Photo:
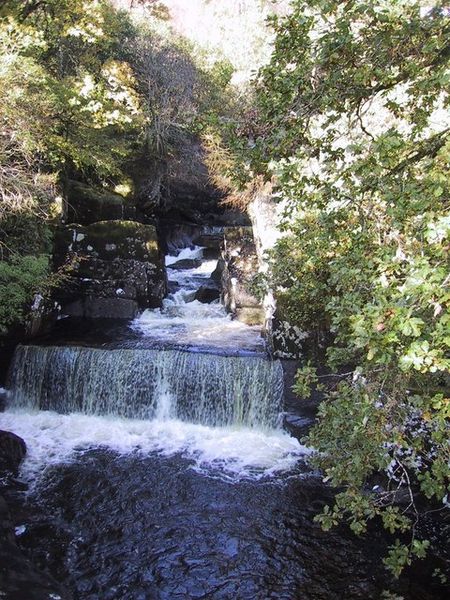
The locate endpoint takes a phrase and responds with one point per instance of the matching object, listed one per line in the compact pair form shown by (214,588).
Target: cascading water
(184,321)
(144,384)
(159,473)
(194,381)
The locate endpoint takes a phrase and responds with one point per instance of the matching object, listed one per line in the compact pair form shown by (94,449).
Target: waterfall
(148,384)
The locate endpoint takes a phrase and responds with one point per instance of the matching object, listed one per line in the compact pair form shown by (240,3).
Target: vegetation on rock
(85,91)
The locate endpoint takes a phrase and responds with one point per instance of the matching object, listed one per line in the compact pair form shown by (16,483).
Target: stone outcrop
(12,452)
(19,578)
(117,269)
(287,341)
(240,268)
(86,205)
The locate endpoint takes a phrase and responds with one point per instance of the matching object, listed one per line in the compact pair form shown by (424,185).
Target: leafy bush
(355,104)
(20,278)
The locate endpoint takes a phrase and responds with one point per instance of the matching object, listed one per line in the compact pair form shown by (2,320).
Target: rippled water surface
(151,527)
(162,475)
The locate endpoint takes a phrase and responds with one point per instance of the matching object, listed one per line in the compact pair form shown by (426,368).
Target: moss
(109,240)
(88,205)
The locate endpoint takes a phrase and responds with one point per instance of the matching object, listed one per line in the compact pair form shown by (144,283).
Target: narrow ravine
(157,467)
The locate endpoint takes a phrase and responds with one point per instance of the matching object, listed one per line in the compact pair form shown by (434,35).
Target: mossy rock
(250,315)
(108,240)
(239,235)
(87,205)
(118,268)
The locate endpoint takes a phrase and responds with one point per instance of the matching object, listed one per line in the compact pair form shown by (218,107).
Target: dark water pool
(115,527)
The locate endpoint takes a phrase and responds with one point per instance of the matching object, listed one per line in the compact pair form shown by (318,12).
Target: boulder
(240,268)
(216,275)
(12,452)
(211,253)
(173,286)
(250,315)
(108,240)
(209,240)
(207,294)
(19,577)
(86,205)
(186,263)
(115,269)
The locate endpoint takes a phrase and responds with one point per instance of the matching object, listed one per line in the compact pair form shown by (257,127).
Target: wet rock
(19,577)
(3,398)
(209,240)
(173,286)
(87,205)
(211,253)
(186,263)
(108,240)
(176,236)
(117,269)
(216,275)
(240,268)
(100,308)
(207,294)
(12,452)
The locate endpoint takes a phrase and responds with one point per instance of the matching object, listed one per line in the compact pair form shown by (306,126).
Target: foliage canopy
(84,92)
(354,131)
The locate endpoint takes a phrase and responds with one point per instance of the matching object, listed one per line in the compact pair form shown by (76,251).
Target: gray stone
(211,253)
(86,205)
(101,308)
(216,275)
(209,240)
(207,294)
(240,268)
(115,268)
(186,263)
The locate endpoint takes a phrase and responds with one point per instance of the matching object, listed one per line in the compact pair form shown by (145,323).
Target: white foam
(235,453)
(184,321)
(204,325)
(185,253)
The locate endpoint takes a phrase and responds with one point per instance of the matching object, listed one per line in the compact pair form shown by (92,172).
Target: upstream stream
(158,468)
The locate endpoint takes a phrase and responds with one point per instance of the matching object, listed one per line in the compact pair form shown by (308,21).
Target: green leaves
(20,277)
(68,103)
(357,141)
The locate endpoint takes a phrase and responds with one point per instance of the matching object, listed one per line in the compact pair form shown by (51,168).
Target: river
(158,467)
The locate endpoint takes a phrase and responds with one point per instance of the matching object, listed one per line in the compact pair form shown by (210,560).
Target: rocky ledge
(114,269)
(19,578)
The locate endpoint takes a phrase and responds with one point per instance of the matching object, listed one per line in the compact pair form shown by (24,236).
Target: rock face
(186,263)
(287,341)
(240,267)
(12,452)
(19,578)
(117,269)
(86,205)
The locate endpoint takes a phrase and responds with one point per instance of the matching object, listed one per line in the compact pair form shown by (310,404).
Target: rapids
(157,468)
(184,320)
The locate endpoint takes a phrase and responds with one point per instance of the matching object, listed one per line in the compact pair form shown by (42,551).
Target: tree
(356,137)
(68,105)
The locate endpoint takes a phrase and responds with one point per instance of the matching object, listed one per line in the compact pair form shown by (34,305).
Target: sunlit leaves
(356,98)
